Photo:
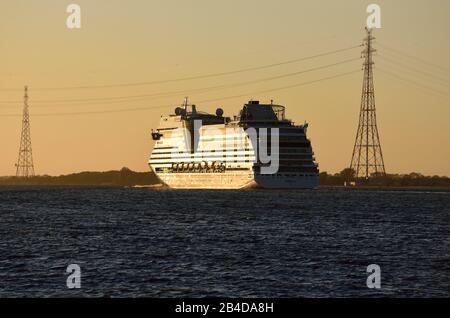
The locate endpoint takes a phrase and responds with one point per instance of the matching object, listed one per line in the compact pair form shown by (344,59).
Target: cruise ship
(258,148)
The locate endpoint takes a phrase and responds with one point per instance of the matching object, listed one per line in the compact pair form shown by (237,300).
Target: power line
(201,101)
(193,77)
(140,97)
(413,82)
(403,54)
(399,64)
(284,87)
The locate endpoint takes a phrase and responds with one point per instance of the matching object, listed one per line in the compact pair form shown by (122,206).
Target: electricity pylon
(367,158)
(24,166)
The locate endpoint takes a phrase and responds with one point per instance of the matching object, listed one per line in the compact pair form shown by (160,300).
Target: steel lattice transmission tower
(367,158)
(25,167)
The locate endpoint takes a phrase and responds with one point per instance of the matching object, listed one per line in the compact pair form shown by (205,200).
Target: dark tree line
(124,177)
(413,179)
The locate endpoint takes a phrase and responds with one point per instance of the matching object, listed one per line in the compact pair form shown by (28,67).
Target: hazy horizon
(107,128)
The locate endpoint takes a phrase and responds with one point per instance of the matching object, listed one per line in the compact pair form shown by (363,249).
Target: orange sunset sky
(143,41)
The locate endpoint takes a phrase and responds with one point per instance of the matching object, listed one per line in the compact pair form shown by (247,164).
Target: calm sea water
(165,243)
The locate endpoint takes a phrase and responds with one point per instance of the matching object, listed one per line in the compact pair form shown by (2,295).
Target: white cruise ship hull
(207,180)
(236,181)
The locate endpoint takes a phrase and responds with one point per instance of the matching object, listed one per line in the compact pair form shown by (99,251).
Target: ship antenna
(185,102)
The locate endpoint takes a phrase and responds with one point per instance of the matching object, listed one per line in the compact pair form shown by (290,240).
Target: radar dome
(219,112)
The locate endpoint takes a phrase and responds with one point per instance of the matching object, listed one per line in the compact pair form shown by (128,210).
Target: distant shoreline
(128,178)
(388,188)
(122,178)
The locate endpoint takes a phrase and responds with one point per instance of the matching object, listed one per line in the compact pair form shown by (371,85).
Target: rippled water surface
(164,243)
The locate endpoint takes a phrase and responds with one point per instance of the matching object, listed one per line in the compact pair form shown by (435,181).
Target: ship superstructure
(258,148)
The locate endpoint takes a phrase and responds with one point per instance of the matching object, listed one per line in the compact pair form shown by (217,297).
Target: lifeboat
(203,166)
